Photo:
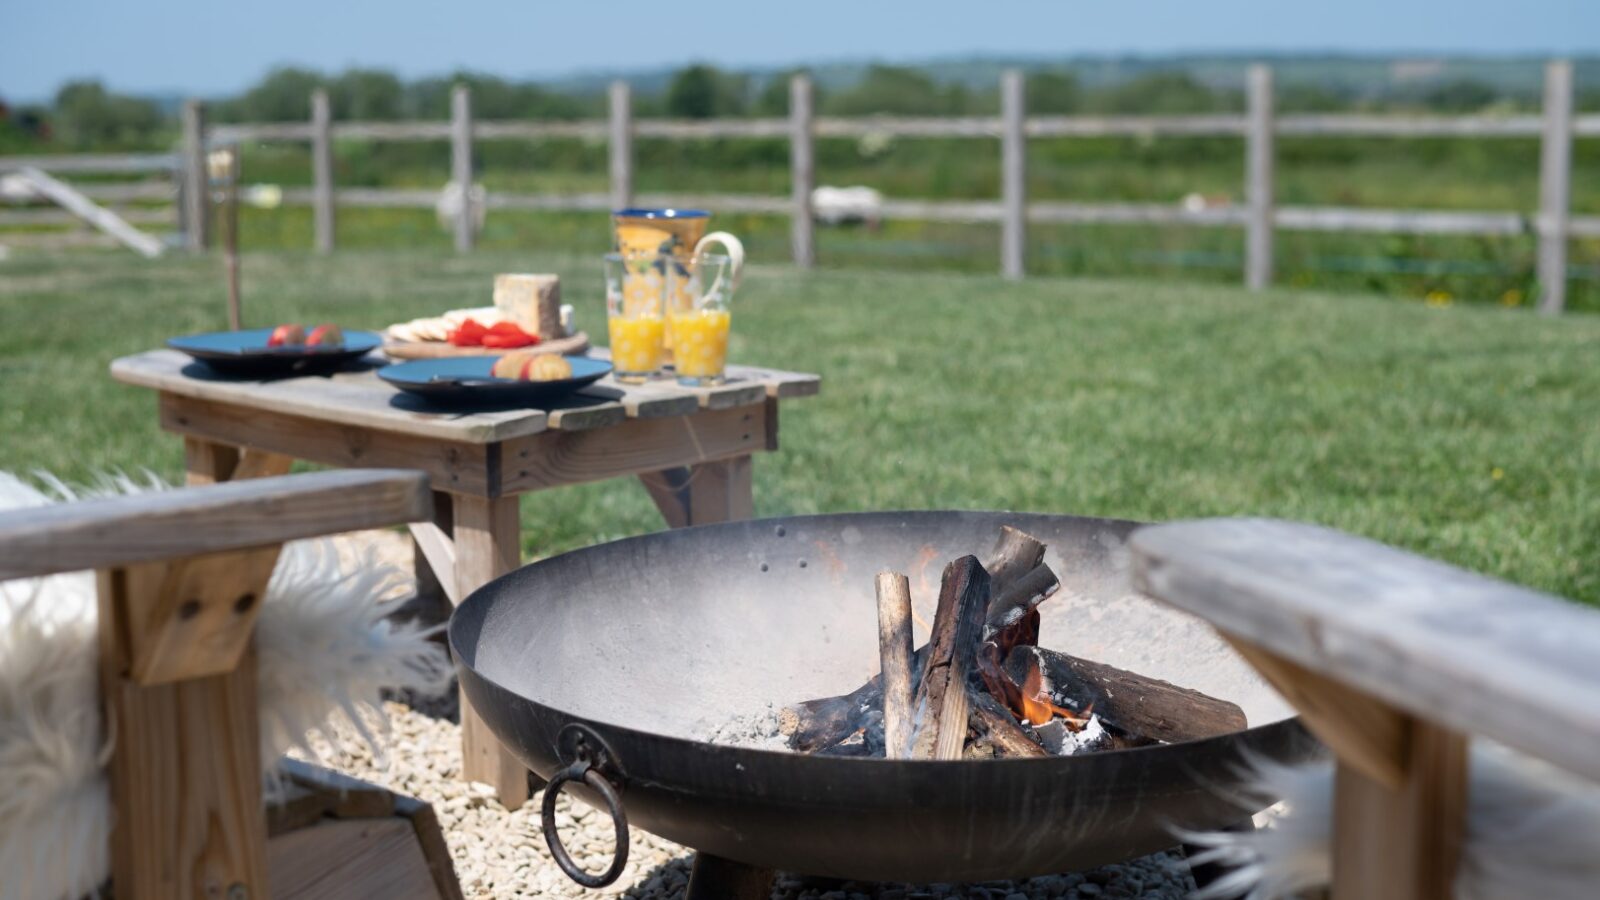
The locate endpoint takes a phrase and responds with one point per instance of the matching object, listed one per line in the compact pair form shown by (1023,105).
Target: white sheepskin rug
(1532,831)
(325,652)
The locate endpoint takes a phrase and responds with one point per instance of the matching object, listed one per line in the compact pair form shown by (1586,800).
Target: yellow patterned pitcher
(681,235)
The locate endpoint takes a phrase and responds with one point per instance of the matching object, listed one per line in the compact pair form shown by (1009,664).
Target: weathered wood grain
(196,192)
(168,525)
(1429,639)
(89,211)
(458,467)
(895,655)
(1555,187)
(194,616)
(1260,159)
(1013,174)
(556,458)
(1402,843)
(461,165)
(620,144)
(345,858)
(704,493)
(802,170)
(487,545)
(185,776)
(323,209)
(941,698)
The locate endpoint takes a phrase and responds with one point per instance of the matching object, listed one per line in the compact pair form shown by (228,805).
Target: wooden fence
(1259,216)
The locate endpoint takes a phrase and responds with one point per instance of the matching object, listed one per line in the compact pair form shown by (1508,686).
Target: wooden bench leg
(488,544)
(705,493)
(1400,787)
(185,773)
(208,462)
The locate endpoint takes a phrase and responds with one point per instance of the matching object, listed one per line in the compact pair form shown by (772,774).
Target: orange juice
(636,344)
(700,339)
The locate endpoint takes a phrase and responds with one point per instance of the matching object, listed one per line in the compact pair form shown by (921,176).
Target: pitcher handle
(735,249)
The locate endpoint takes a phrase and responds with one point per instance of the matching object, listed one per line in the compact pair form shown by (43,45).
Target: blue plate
(468,379)
(246,352)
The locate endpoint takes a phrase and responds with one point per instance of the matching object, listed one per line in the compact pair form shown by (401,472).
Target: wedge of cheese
(531,301)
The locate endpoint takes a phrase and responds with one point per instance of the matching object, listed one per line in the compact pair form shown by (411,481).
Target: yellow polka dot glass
(699,321)
(636,292)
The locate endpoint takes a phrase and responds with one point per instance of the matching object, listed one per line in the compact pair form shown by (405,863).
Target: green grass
(1466,433)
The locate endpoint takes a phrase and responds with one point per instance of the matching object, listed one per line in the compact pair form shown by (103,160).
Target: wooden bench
(180,577)
(1393,661)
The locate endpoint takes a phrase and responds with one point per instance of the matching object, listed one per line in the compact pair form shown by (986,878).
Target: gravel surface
(501,854)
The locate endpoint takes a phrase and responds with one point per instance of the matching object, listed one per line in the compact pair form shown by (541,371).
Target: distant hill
(1360,76)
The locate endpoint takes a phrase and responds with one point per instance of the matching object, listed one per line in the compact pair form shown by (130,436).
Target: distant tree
(492,98)
(896,90)
(88,115)
(367,94)
(284,95)
(1461,95)
(1053,93)
(1161,93)
(693,93)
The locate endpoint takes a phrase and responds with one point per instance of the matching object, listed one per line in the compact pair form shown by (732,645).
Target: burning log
(941,699)
(1016,554)
(895,655)
(1013,616)
(1138,706)
(996,727)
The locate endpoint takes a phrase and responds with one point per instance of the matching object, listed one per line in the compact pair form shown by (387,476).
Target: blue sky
(209,47)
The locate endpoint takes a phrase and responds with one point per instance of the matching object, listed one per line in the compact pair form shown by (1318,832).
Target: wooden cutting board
(572,343)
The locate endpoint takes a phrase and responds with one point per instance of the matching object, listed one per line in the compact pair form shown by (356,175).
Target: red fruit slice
(287,336)
(326,336)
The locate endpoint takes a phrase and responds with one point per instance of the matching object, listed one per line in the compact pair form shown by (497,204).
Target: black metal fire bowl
(648,641)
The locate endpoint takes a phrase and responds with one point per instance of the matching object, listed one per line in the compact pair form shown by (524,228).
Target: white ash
(500,854)
(756,730)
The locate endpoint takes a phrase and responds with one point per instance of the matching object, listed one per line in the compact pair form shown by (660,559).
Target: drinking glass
(700,319)
(637,286)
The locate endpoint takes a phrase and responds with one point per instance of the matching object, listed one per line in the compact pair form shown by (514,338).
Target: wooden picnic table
(691,448)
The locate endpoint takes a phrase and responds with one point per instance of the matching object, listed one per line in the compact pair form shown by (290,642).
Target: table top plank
(359,397)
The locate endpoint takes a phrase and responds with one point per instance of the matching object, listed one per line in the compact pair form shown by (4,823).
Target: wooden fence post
(1555,181)
(461,163)
(621,145)
(1013,174)
(1258,178)
(802,170)
(196,176)
(322,170)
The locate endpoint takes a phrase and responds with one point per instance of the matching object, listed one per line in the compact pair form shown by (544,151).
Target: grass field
(1467,433)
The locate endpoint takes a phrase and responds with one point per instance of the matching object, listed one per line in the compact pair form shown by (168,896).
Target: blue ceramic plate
(246,352)
(467,379)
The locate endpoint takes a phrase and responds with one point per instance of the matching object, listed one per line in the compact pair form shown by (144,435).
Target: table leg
(432,600)
(208,462)
(703,493)
(487,545)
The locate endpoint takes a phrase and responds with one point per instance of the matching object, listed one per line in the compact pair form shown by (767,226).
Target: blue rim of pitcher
(639,213)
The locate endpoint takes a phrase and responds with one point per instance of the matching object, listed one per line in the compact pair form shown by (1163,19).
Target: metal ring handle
(582,771)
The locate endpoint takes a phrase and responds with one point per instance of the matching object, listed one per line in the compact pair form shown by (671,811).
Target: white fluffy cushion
(324,650)
(1532,831)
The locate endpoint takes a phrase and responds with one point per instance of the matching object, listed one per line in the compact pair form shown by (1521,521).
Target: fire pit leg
(715,878)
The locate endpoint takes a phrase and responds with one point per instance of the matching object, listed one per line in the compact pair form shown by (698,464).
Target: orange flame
(1038,707)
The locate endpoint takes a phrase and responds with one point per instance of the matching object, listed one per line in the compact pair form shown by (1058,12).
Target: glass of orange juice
(700,320)
(637,286)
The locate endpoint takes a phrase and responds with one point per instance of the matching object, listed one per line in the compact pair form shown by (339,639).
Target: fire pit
(606,667)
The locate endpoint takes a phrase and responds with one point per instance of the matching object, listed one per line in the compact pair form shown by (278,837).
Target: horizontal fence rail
(1258,215)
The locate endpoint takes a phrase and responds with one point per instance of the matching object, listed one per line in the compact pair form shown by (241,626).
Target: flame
(1037,707)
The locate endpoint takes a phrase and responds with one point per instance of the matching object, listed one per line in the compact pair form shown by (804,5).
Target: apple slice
(326,336)
(286,336)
